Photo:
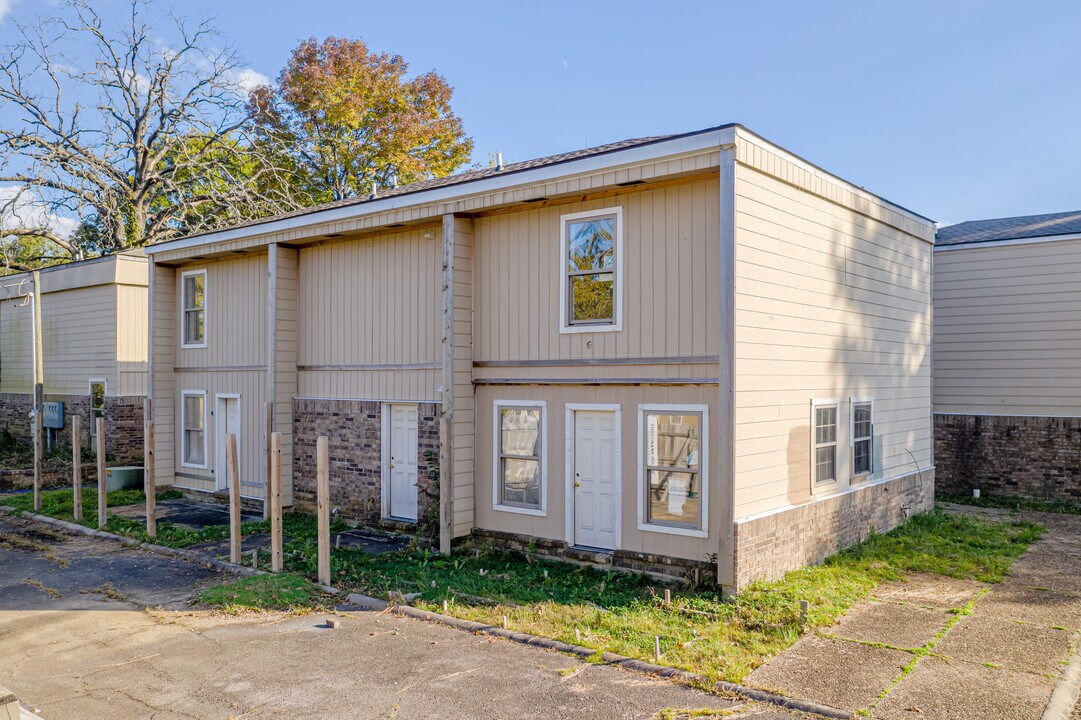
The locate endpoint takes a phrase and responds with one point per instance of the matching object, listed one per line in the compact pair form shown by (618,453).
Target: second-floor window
(591,275)
(193,299)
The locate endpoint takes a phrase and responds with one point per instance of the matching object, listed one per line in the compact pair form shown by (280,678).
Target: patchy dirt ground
(91,630)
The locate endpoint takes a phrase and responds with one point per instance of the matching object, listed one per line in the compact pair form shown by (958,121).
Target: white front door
(226,420)
(402,462)
(596,479)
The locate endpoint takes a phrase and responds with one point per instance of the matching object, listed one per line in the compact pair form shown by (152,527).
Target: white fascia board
(685,145)
(1004,243)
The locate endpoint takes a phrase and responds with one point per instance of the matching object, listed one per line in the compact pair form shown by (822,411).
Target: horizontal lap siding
(78,329)
(371,302)
(670,301)
(163,342)
(1008,329)
(16,361)
(830,303)
(131,339)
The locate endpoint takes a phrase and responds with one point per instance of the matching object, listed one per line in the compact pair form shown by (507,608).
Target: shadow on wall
(875,335)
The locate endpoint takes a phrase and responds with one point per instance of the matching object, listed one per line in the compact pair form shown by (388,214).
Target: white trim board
(1007,242)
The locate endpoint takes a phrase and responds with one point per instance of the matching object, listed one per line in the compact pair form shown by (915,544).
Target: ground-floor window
(193,410)
(824,441)
(519,464)
(862,437)
(672,492)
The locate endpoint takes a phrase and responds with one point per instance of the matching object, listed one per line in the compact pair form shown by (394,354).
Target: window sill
(538,512)
(201,346)
(668,530)
(862,477)
(194,467)
(576,329)
(825,488)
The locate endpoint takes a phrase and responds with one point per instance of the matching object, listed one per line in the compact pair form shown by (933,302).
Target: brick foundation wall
(1036,457)
(123,421)
(354,428)
(768,547)
(691,571)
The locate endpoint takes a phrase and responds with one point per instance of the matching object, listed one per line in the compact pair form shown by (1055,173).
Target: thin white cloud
(28,213)
(247,79)
(5,8)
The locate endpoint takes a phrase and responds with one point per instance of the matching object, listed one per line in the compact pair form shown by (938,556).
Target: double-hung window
(193,410)
(193,308)
(862,437)
(824,442)
(519,463)
(672,483)
(591,271)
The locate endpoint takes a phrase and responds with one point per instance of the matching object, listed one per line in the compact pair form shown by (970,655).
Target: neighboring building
(685,354)
(94,347)
(1008,356)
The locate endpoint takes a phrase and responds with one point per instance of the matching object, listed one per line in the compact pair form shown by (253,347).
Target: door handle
(577,484)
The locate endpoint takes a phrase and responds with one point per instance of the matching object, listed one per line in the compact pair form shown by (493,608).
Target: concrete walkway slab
(940,690)
(1024,648)
(1032,606)
(889,623)
(838,673)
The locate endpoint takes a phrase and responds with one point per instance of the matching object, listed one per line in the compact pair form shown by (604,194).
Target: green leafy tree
(349,117)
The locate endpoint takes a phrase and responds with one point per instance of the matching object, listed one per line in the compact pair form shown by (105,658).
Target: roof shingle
(1011,228)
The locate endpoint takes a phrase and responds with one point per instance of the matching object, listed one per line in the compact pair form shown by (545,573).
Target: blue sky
(957,109)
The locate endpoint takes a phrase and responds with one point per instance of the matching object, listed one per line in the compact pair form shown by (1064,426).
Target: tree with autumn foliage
(349,118)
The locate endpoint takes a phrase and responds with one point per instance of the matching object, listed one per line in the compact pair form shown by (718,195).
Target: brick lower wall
(354,429)
(767,547)
(123,422)
(1036,457)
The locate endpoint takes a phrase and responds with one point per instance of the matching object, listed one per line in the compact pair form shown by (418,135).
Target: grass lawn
(1012,503)
(265,592)
(60,504)
(621,613)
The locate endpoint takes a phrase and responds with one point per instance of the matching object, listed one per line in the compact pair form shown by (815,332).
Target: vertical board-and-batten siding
(830,303)
(1008,329)
(370,312)
(233,362)
(670,304)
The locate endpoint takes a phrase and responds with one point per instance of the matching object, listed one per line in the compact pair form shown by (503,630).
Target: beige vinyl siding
(370,317)
(1008,329)
(282,356)
(251,386)
(554,453)
(78,334)
(459,375)
(16,361)
(829,304)
(235,314)
(670,303)
(163,345)
(132,342)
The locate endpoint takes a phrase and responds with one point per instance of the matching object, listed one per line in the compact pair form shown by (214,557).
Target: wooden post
(322,506)
(149,481)
(77,467)
(39,387)
(103,517)
(268,409)
(234,498)
(276,502)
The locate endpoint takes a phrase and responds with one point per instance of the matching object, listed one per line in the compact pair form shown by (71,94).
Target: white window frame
(828,485)
(184,394)
(703,469)
(497,447)
(852,403)
(183,311)
(616,325)
(90,383)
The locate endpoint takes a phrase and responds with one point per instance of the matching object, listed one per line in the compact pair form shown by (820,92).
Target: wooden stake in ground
(149,481)
(39,387)
(322,506)
(77,467)
(276,502)
(103,516)
(234,498)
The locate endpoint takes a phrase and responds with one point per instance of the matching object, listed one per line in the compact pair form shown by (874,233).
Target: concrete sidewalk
(915,651)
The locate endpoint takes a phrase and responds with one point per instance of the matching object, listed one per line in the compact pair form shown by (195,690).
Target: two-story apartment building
(1008,356)
(687,354)
(94,347)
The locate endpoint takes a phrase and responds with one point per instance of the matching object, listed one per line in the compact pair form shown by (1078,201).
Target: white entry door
(402,462)
(596,479)
(226,420)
